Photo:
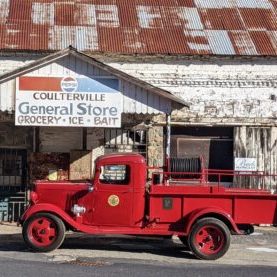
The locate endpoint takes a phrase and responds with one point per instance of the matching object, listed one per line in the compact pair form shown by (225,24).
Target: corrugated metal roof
(219,27)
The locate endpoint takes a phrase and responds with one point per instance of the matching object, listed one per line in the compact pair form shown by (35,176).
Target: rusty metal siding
(214,19)
(243,43)
(225,27)
(262,42)
(259,143)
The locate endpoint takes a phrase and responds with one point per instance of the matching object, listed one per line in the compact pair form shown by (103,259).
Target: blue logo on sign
(69,84)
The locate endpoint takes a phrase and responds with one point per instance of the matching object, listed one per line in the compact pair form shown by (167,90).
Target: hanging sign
(68,101)
(245,164)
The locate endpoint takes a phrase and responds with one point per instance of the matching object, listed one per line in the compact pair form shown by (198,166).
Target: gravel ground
(258,249)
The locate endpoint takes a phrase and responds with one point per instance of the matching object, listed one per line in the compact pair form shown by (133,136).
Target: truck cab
(117,195)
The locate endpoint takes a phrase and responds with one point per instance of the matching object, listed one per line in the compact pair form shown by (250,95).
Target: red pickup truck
(119,200)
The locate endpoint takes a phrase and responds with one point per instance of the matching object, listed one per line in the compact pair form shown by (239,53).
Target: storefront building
(66,110)
(219,58)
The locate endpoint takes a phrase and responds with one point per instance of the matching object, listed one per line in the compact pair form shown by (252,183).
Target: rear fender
(211,212)
(49,208)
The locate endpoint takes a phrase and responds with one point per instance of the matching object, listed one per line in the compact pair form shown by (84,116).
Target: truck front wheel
(43,232)
(209,238)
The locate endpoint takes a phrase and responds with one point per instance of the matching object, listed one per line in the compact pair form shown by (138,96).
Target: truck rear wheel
(43,232)
(209,238)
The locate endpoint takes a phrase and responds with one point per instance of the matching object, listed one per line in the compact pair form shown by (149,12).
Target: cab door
(113,195)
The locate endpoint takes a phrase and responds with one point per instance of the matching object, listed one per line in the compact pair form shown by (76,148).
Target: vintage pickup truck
(119,200)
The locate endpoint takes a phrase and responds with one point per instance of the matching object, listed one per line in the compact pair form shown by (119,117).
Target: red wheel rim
(209,239)
(42,231)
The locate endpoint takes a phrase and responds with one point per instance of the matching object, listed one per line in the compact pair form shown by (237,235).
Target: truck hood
(63,194)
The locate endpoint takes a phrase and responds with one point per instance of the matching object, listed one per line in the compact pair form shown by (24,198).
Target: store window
(126,140)
(12,168)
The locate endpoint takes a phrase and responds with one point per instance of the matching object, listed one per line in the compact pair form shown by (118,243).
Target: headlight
(77,210)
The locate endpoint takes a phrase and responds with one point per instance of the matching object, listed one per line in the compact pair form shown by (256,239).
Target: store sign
(68,101)
(245,164)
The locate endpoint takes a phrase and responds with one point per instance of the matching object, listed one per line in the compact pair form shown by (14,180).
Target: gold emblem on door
(113,200)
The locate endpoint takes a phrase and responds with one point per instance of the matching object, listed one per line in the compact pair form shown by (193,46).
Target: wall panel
(259,143)
(55,139)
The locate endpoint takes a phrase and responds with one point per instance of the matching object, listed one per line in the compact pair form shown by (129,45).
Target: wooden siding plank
(7,94)
(130,93)
(144,101)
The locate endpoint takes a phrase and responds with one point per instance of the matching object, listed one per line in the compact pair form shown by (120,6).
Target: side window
(115,174)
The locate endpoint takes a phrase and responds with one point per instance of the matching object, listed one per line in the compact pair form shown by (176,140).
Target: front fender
(49,208)
(210,212)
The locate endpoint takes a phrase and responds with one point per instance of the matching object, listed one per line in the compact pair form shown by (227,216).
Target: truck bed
(245,206)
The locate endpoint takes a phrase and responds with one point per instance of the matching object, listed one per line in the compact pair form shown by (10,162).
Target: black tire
(209,238)
(184,240)
(38,232)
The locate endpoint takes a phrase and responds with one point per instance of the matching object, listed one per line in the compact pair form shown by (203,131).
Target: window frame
(123,182)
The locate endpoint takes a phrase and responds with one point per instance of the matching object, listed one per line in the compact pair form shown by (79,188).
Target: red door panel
(113,196)
(113,207)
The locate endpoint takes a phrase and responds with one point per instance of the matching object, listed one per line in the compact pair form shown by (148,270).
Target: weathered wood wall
(55,139)
(15,137)
(259,143)
(220,90)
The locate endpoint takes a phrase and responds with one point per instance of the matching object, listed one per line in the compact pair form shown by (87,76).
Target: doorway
(213,144)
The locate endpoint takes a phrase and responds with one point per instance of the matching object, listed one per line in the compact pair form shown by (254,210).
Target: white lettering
(250,4)
(149,16)
(43,13)
(86,14)
(83,38)
(107,16)
(191,18)
(197,46)
(214,40)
